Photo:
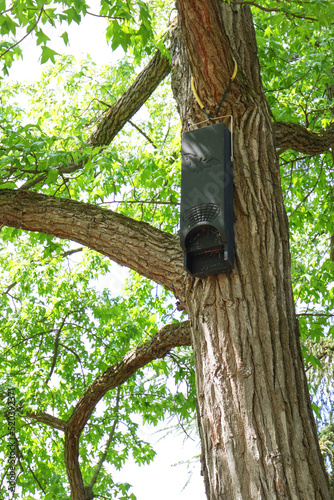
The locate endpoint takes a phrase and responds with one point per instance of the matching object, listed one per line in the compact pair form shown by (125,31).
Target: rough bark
(258,434)
(47,419)
(294,136)
(138,245)
(131,101)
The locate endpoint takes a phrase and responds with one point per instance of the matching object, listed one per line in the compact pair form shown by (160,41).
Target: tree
(255,417)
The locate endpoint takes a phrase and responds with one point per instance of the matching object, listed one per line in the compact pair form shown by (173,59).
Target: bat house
(206,220)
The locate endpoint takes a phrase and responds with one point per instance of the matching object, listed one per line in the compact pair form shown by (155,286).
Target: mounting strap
(201,105)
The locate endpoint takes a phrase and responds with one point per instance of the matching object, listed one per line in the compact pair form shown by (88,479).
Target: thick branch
(145,249)
(170,336)
(131,101)
(119,113)
(294,136)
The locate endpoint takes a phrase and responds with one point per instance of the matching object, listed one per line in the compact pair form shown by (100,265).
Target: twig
(7,10)
(110,439)
(143,133)
(268,9)
(325,315)
(19,456)
(309,193)
(289,86)
(106,17)
(79,360)
(141,202)
(71,252)
(55,350)
(25,339)
(320,110)
(130,121)
(8,289)
(25,36)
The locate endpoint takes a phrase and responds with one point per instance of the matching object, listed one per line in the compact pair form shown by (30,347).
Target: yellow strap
(201,105)
(235,69)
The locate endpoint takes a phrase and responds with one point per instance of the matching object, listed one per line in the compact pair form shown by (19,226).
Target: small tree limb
(119,113)
(47,419)
(108,443)
(55,349)
(170,336)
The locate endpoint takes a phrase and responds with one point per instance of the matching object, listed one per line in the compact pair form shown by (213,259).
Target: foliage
(129,25)
(53,313)
(59,328)
(51,308)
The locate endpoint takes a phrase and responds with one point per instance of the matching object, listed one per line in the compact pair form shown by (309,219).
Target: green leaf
(8,185)
(41,37)
(47,54)
(65,37)
(316,410)
(72,15)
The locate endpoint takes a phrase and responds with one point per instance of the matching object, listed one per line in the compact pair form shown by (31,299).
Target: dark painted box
(206,222)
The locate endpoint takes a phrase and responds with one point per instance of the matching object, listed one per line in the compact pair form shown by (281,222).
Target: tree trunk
(259,439)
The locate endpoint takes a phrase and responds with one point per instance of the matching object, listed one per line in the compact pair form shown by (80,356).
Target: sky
(166,477)
(80,45)
(162,479)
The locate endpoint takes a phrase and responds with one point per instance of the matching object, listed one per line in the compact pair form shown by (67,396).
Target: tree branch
(281,11)
(131,101)
(294,136)
(55,349)
(142,133)
(46,418)
(108,443)
(322,315)
(170,336)
(71,252)
(138,245)
(119,113)
(176,334)
(25,36)
(78,359)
